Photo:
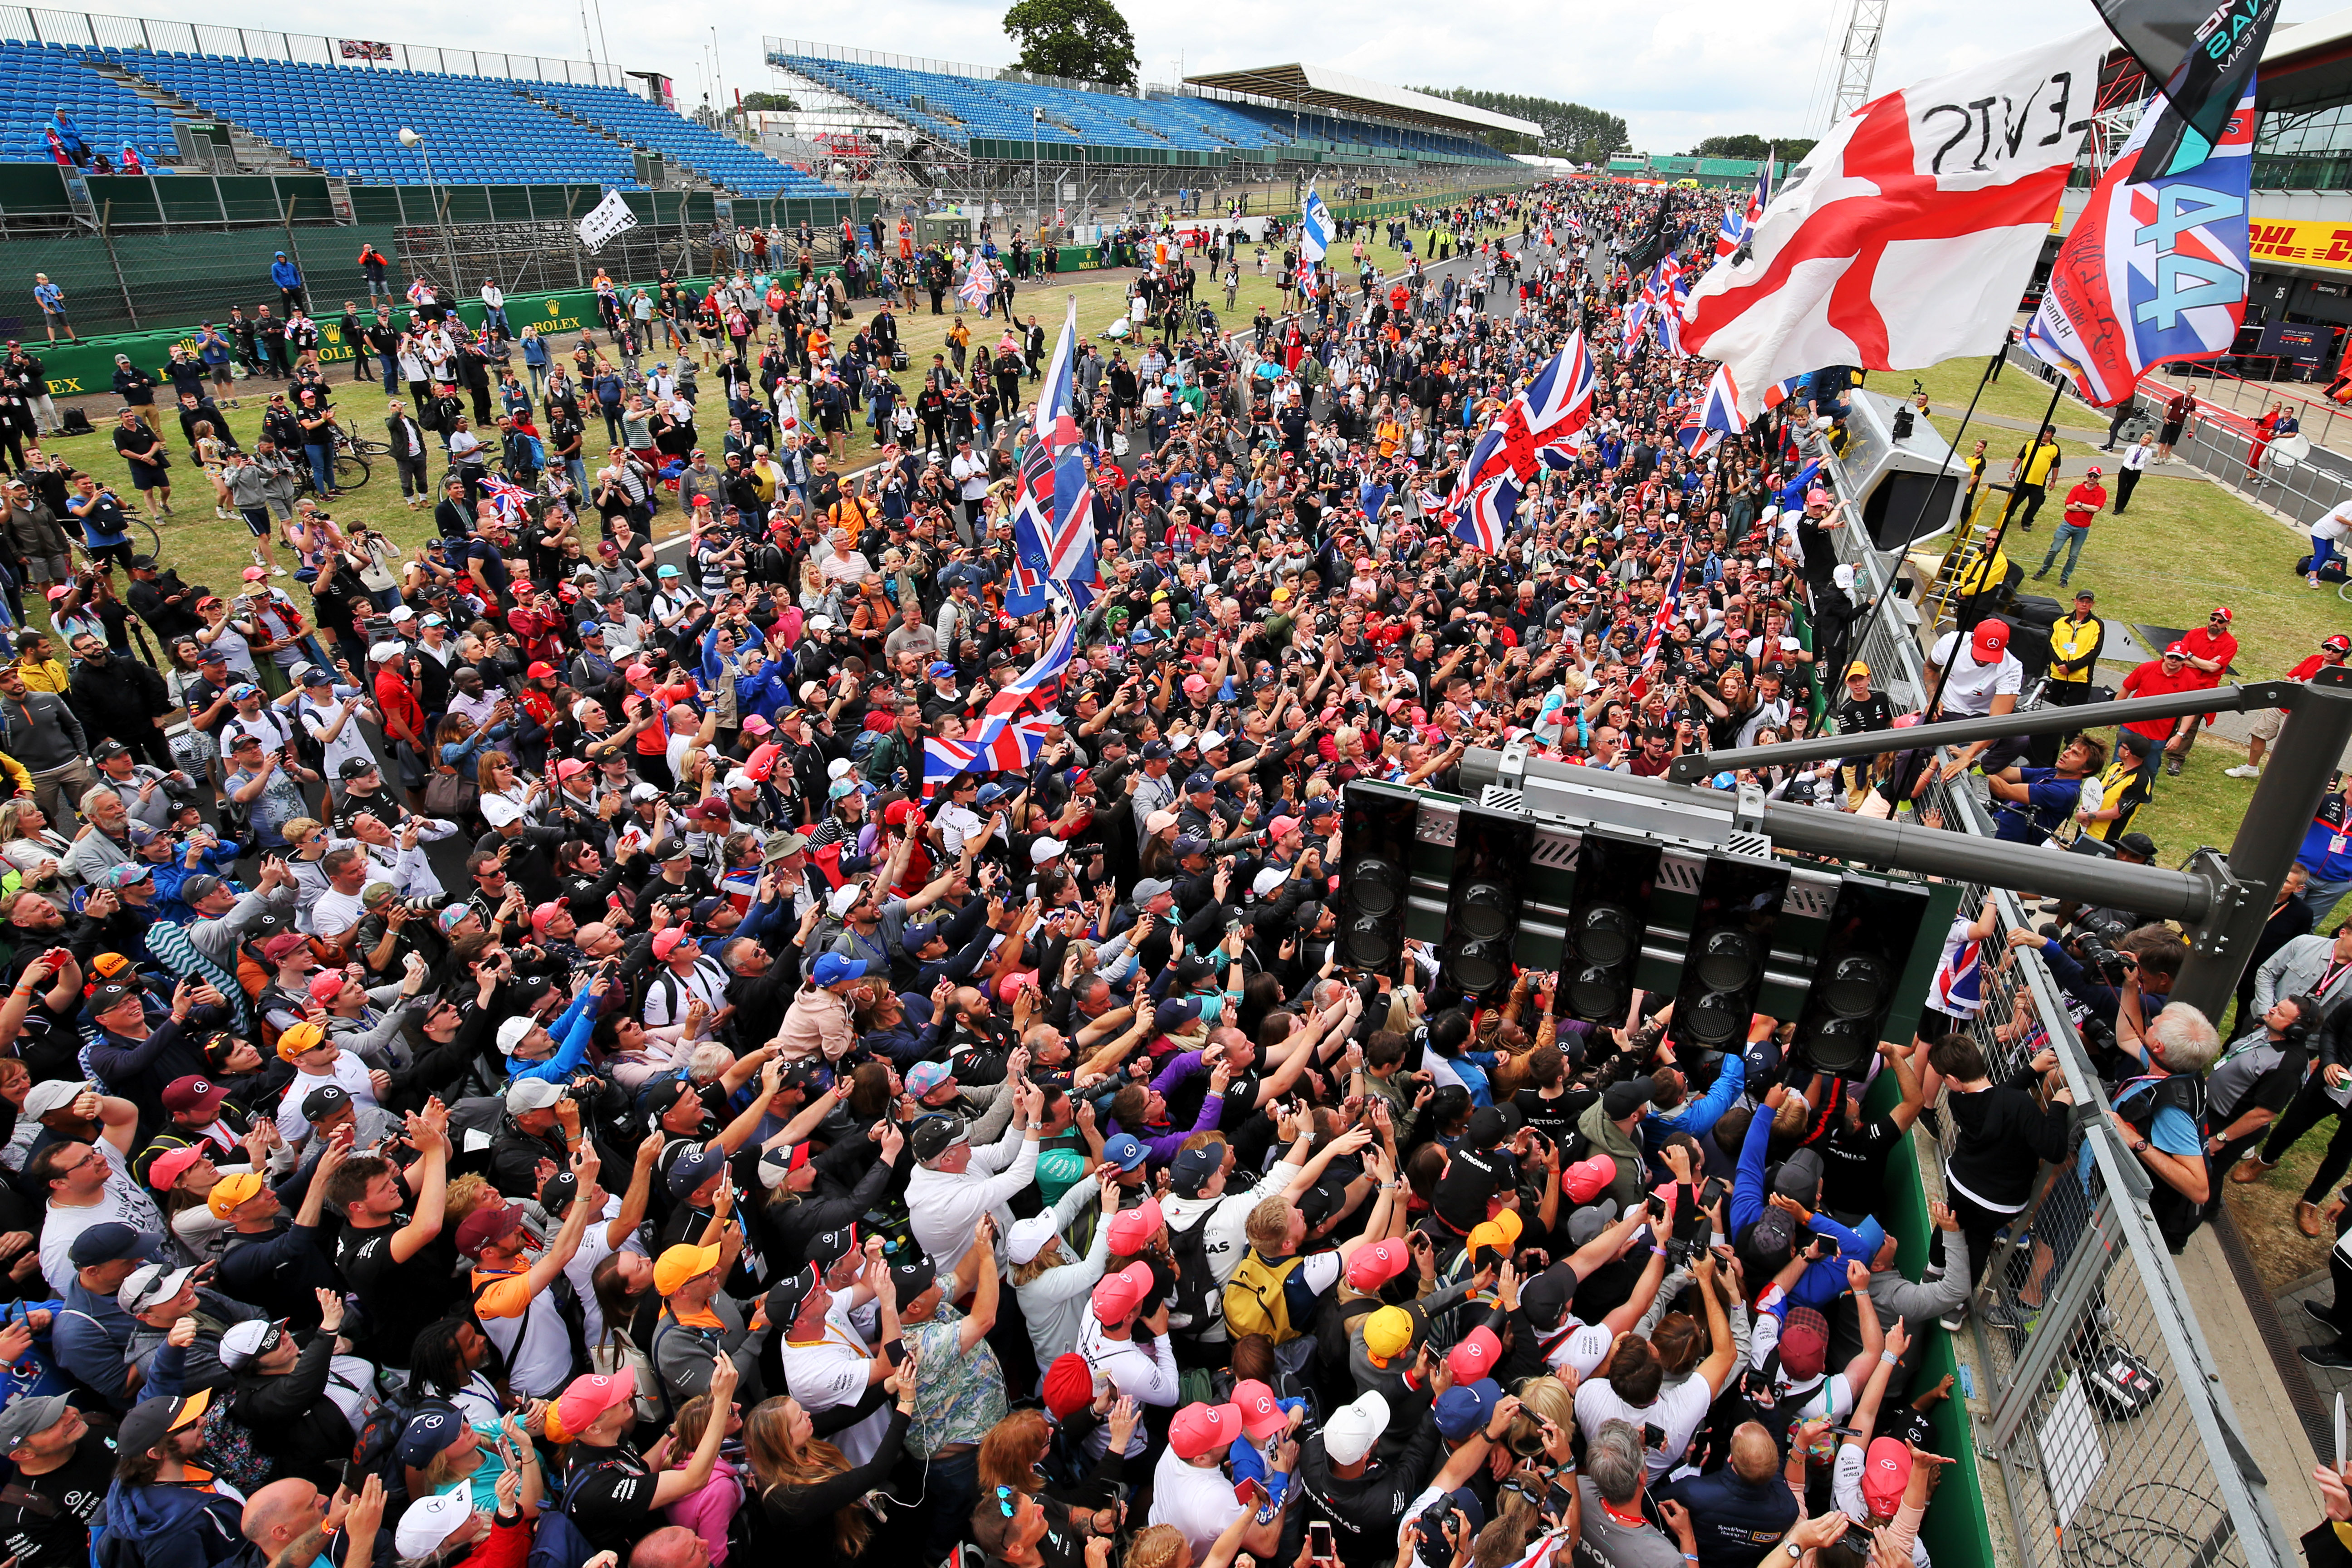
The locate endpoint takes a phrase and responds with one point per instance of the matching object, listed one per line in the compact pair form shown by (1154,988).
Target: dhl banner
(2310,242)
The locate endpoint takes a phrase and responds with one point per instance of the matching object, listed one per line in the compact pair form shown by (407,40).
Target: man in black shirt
(402,1270)
(614,1495)
(62,1472)
(1855,1146)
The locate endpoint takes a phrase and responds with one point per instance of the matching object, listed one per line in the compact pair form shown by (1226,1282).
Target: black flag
(2201,56)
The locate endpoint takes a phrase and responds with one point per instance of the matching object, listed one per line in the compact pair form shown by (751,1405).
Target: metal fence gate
(2081,1279)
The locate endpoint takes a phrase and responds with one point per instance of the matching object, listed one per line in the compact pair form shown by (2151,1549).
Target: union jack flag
(1668,609)
(511,501)
(1779,392)
(1637,314)
(1672,294)
(1054,501)
(978,284)
(998,745)
(1482,519)
(1715,415)
(1728,235)
(1039,687)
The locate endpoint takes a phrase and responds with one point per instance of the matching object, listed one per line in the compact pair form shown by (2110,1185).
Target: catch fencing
(2104,1415)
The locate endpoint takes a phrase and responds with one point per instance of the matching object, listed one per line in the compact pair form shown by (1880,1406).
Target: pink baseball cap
(1374,1266)
(1587,1179)
(589,1397)
(1885,1472)
(326,986)
(1198,1429)
(1280,826)
(1261,1414)
(1476,1356)
(1132,1230)
(1117,1295)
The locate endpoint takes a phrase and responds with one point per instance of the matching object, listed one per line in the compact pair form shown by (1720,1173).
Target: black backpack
(1197,1302)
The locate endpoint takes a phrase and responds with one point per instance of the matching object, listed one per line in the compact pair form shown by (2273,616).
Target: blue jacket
(175,1526)
(1735,1522)
(284,274)
(571,1033)
(1698,1116)
(1823,1281)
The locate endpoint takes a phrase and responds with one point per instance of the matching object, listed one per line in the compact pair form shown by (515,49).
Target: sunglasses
(1006,1498)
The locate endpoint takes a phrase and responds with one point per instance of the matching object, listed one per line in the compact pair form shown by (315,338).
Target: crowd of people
(541,1064)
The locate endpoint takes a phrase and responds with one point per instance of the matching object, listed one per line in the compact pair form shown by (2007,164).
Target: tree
(1784,150)
(1084,39)
(1570,129)
(755,102)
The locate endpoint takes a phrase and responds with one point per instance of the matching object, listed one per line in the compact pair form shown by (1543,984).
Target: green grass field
(209,549)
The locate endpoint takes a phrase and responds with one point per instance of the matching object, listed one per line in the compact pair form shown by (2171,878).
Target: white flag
(1907,236)
(1314,227)
(612,215)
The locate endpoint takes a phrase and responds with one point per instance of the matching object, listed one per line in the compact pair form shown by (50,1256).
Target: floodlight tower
(1858,60)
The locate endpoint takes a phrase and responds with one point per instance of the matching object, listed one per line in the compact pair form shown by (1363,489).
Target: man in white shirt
(2134,463)
(1983,680)
(827,1361)
(1190,1488)
(1107,1343)
(88,1184)
(969,471)
(1628,1387)
(953,1183)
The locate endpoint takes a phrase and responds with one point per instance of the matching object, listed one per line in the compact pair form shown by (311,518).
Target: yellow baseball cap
(302,1037)
(231,1190)
(679,1264)
(1387,1332)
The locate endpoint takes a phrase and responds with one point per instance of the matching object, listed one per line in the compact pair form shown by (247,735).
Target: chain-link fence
(2104,1417)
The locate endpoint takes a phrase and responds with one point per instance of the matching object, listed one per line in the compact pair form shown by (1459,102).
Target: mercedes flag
(2200,55)
(611,216)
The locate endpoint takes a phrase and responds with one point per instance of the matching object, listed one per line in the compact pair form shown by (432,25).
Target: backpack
(558,1542)
(310,751)
(1257,1301)
(376,1451)
(1192,1305)
(229,1451)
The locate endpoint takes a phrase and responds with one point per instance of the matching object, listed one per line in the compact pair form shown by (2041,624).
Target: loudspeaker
(1893,511)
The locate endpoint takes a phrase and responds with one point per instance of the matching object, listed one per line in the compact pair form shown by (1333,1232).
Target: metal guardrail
(2082,1277)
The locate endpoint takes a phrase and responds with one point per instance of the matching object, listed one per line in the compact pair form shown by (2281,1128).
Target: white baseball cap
(1351,1433)
(1029,1237)
(431,1521)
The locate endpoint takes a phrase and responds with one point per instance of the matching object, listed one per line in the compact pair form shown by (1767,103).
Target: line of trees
(1570,129)
(1781,149)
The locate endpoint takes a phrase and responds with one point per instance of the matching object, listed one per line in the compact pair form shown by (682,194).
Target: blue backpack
(557,1543)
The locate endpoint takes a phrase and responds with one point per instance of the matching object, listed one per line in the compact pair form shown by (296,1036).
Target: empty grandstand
(974,133)
(337,106)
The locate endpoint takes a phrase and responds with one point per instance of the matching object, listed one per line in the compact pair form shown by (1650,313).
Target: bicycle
(350,466)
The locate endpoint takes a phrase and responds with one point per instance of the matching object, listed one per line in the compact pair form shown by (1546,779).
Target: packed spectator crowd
(537,1067)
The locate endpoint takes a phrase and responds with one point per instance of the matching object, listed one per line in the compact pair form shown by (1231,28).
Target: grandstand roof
(1327,89)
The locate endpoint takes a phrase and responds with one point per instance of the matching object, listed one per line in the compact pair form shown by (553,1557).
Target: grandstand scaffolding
(929,137)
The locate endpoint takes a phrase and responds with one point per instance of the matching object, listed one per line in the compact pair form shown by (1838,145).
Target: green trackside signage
(74,370)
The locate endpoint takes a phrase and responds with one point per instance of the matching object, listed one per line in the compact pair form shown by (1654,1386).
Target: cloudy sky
(1678,73)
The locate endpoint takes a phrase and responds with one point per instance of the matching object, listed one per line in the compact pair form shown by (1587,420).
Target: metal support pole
(1585,793)
(2305,755)
(2000,727)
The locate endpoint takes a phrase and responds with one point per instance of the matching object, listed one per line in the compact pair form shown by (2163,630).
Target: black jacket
(293,1420)
(120,698)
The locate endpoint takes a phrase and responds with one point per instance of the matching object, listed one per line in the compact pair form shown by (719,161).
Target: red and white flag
(1907,236)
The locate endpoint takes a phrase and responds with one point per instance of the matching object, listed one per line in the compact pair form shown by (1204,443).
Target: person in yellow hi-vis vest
(2029,474)
(2075,640)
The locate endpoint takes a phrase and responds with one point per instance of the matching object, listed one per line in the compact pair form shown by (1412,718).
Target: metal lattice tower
(1858,60)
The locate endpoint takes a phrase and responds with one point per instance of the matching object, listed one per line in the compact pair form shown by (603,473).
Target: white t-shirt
(1198,1501)
(350,1076)
(1149,1377)
(123,1201)
(2335,525)
(835,1370)
(1970,689)
(1676,1411)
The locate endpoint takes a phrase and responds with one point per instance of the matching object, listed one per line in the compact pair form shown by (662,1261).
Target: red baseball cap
(546,912)
(1990,638)
(2223,611)
(1198,1429)
(2177,650)
(540,666)
(1132,1230)
(192,1093)
(1885,1472)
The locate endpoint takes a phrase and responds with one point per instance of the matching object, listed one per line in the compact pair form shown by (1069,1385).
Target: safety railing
(2103,1417)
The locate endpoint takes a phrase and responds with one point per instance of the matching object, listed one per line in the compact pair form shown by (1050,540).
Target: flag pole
(2057,390)
(1878,600)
